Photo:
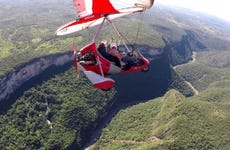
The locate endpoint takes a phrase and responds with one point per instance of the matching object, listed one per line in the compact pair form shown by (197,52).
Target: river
(196,92)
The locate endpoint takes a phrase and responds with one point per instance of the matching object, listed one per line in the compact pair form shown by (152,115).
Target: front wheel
(146,69)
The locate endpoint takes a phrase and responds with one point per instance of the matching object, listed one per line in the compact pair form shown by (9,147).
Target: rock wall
(180,52)
(14,80)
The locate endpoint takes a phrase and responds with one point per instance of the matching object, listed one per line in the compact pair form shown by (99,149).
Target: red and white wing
(82,24)
(91,12)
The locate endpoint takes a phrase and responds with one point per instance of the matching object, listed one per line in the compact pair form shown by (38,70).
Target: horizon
(218,9)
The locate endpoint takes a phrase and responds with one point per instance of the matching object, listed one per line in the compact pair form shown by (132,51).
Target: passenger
(113,51)
(114,55)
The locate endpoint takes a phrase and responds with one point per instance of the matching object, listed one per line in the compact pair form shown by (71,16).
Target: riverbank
(191,61)
(194,54)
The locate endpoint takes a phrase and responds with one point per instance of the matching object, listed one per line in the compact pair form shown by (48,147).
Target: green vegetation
(206,70)
(179,84)
(216,59)
(73,110)
(169,122)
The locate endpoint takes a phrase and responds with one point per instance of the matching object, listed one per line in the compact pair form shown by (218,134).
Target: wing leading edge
(91,13)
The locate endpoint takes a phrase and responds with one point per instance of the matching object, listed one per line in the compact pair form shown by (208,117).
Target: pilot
(102,48)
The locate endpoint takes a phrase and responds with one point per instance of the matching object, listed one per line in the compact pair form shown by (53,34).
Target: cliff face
(181,51)
(14,80)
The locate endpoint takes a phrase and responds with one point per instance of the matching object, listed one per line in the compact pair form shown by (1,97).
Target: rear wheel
(146,69)
(106,89)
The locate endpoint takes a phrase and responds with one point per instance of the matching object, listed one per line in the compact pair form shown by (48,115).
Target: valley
(44,106)
(120,132)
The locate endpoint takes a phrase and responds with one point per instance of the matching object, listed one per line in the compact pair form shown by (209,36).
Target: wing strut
(98,30)
(122,38)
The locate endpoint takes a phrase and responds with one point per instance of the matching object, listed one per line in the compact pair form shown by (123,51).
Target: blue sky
(219,8)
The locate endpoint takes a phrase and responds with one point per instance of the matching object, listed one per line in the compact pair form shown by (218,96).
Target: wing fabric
(102,7)
(83,8)
(86,8)
(84,24)
(91,12)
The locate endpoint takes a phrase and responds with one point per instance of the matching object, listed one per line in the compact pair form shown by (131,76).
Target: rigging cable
(139,27)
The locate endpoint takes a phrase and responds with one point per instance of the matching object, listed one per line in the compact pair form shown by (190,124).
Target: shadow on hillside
(141,86)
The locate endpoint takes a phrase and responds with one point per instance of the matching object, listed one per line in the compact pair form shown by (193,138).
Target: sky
(219,8)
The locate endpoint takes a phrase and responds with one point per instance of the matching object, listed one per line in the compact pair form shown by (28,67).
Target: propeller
(74,49)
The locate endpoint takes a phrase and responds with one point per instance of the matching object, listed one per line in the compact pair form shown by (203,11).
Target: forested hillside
(170,122)
(72,109)
(210,67)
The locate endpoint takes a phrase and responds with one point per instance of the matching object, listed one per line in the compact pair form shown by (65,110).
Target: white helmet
(104,42)
(113,45)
